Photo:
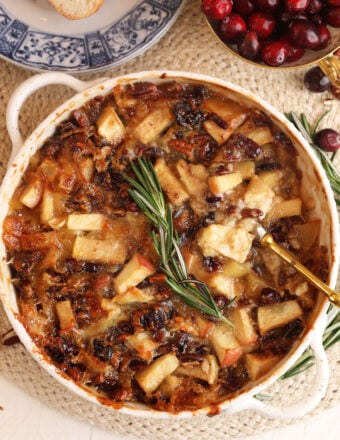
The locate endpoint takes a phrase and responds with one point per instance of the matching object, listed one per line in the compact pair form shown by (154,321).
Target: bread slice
(76,9)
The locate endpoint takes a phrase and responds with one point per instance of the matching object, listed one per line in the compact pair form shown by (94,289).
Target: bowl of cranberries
(276,33)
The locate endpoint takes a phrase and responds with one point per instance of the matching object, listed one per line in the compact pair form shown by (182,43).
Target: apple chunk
(65,314)
(223,183)
(244,327)
(277,315)
(110,127)
(32,193)
(103,251)
(86,222)
(150,378)
(133,273)
(226,347)
(257,365)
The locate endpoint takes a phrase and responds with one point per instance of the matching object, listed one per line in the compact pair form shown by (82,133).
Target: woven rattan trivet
(188,46)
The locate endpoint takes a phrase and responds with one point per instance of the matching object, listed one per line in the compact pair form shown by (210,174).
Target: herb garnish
(332,332)
(149,196)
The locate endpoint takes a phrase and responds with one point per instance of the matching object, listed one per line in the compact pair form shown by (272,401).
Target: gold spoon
(266,239)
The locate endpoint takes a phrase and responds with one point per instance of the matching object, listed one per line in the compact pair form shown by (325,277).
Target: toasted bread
(76,9)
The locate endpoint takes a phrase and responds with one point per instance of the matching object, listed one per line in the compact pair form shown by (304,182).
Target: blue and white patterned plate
(35,36)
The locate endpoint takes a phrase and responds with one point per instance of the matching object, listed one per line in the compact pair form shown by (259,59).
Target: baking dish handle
(314,395)
(27,88)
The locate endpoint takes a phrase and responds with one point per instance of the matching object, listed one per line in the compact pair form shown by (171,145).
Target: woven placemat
(188,46)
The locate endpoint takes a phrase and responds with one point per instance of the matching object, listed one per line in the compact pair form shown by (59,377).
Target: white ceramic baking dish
(315,185)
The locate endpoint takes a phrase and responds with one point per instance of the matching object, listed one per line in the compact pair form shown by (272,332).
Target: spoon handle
(334,297)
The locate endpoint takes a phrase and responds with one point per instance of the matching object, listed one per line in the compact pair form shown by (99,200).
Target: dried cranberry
(102,351)
(269,296)
(55,353)
(137,364)
(211,264)
(240,147)
(188,116)
(126,327)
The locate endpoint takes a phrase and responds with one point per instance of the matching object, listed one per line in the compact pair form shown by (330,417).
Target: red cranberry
(283,20)
(249,45)
(314,6)
(332,16)
(304,33)
(316,81)
(232,28)
(333,2)
(267,5)
(244,7)
(293,53)
(274,53)
(327,139)
(296,5)
(217,9)
(325,37)
(300,16)
(261,23)
(316,18)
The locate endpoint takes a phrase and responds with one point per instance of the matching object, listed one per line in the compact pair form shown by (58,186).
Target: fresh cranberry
(232,28)
(249,45)
(332,16)
(304,33)
(296,5)
(316,81)
(325,37)
(314,6)
(274,53)
(261,23)
(333,2)
(217,9)
(294,53)
(244,7)
(283,19)
(300,16)
(267,5)
(317,18)
(328,139)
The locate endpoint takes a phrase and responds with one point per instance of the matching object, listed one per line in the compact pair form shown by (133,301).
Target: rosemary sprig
(148,194)
(308,132)
(332,332)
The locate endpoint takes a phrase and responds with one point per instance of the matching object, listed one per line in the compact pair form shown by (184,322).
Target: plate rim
(171,10)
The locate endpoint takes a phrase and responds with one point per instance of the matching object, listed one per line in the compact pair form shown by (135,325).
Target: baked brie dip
(133,246)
